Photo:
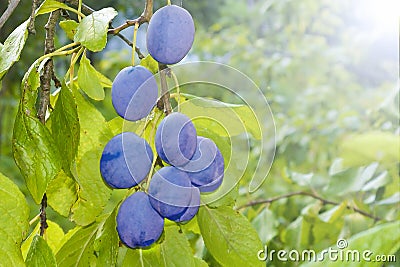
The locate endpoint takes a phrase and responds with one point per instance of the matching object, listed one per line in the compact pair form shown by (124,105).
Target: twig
(143,18)
(48,72)
(7,14)
(44,95)
(163,102)
(43,218)
(31,26)
(126,40)
(87,10)
(303,193)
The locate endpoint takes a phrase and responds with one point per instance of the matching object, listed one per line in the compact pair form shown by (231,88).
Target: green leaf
(13,224)
(77,248)
(334,213)
(266,225)
(12,48)
(34,149)
(200,263)
(54,235)
(104,81)
(92,30)
(118,125)
(93,194)
(150,63)
(69,27)
(94,130)
(92,245)
(89,81)
(362,149)
(175,249)
(107,241)
(65,125)
(380,240)
(229,237)
(236,119)
(49,6)
(62,193)
(143,258)
(40,254)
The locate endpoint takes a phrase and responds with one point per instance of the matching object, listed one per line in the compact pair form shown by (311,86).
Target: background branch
(303,193)
(7,14)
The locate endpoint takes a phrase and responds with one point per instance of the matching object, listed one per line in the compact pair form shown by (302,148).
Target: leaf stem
(74,59)
(77,12)
(34,219)
(80,10)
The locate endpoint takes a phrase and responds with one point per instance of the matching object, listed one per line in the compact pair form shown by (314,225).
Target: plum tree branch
(31,26)
(44,94)
(8,12)
(309,194)
(87,10)
(143,18)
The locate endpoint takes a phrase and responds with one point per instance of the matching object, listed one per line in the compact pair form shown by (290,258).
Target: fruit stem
(134,42)
(169,2)
(178,90)
(163,69)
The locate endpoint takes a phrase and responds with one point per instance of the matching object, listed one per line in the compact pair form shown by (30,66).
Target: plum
(134,93)
(170,192)
(193,208)
(210,187)
(176,139)
(125,161)
(170,34)
(138,224)
(206,168)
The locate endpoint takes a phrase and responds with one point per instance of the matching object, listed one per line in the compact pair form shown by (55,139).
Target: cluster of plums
(194,163)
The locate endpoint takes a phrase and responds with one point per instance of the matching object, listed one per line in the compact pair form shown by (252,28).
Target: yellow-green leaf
(88,80)
(229,237)
(69,27)
(13,224)
(40,254)
(92,30)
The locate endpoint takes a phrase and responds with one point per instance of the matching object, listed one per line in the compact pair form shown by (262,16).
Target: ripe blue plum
(170,34)
(176,139)
(134,93)
(193,208)
(210,187)
(206,168)
(126,160)
(170,192)
(138,224)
